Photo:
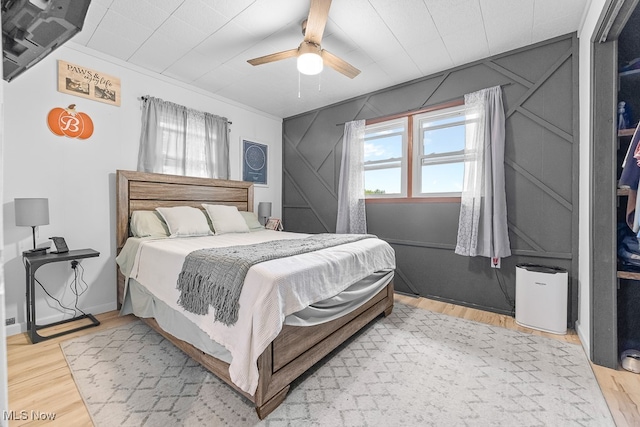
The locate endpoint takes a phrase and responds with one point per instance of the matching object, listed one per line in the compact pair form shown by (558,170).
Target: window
(184,146)
(420,155)
(439,139)
(181,141)
(385,162)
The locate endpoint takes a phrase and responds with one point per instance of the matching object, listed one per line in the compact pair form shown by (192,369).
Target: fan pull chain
(319,81)
(298,84)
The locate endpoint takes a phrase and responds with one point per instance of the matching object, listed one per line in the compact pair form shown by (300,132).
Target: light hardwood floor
(40,380)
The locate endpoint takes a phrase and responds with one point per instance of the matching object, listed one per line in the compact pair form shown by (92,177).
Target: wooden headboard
(147,191)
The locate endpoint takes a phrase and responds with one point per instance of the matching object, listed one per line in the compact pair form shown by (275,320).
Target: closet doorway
(612,48)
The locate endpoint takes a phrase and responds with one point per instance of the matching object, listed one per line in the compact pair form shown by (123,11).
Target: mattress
(142,303)
(273,290)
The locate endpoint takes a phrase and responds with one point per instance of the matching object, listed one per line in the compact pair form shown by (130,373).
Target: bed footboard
(293,352)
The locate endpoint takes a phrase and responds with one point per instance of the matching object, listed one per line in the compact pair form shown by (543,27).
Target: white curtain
(351,207)
(482,228)
(180,141)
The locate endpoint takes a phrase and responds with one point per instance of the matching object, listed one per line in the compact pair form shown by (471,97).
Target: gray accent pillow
(148,224)
(252,220)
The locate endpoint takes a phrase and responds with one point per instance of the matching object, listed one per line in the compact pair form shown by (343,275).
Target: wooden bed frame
(295,349)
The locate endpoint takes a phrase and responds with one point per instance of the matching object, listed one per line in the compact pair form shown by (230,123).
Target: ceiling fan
(311,56)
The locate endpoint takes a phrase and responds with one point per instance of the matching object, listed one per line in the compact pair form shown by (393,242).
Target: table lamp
(32,212)
(264,211)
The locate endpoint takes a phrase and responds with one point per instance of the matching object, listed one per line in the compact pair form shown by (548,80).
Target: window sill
(412,200)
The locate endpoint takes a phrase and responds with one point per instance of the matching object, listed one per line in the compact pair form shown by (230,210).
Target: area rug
(413,368)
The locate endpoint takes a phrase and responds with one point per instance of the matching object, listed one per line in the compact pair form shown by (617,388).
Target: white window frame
(391,162)
(420,159)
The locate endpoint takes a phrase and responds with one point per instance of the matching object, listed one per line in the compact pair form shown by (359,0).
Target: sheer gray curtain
(351,208)
(181,141)
(482,228)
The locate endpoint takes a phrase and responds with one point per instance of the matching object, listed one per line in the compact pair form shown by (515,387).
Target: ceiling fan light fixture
(309,59)
(310,64)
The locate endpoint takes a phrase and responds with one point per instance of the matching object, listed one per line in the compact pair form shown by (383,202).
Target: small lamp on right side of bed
(264,212)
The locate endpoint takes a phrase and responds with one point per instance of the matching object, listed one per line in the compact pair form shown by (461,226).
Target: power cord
(74,285)
(54,298)
(74,288)
(508,299)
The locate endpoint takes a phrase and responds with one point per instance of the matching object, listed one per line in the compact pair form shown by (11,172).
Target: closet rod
(144,98)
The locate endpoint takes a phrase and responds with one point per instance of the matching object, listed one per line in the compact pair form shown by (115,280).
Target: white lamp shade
(32,212)
(309,58)
(310,63)
(264,209)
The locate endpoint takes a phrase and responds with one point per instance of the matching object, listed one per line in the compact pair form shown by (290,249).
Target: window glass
(442,178)
(443,140)
(383,181)
(385,159)
(184,146)
(384,146)
(439,140)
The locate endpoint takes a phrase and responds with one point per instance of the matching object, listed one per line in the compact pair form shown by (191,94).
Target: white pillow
(185,221)
(226,219)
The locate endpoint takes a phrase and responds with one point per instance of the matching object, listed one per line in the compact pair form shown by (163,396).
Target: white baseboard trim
(584,339)
(19,328)
(15,329)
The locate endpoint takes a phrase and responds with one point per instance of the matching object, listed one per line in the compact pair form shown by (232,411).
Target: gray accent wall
(541,170)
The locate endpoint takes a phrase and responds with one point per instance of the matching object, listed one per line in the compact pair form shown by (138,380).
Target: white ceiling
(207,43)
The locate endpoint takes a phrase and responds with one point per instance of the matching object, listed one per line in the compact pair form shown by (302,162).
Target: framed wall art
(255,162)
(87,83)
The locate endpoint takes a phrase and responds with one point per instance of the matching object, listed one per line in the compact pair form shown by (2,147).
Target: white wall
(78,176)
(4,377)
(583,325)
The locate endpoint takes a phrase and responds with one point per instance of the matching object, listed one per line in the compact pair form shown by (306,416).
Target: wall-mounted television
(32,29)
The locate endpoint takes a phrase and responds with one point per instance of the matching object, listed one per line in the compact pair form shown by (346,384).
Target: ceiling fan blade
(318,15)
(340,65)
(274,57)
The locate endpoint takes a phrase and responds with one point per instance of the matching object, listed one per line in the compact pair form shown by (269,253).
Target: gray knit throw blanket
(215,276)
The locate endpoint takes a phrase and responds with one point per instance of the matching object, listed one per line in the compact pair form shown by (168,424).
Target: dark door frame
(602,147)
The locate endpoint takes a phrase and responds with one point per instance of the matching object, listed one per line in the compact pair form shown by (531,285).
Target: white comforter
(272,290)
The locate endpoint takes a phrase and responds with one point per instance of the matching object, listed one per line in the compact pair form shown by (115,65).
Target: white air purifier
(541,297)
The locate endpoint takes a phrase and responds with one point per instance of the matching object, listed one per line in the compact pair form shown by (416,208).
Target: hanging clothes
(629,178)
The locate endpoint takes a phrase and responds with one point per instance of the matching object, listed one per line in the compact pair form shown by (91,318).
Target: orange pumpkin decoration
(69,122)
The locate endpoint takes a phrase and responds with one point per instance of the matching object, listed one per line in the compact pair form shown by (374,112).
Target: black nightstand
(32,263)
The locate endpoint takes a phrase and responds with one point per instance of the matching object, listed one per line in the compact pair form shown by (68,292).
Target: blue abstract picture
(255,158)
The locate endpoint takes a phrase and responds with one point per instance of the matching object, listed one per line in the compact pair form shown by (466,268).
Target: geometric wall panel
(541,172)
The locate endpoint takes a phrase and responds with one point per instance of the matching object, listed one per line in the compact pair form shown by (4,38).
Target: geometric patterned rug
(413,368)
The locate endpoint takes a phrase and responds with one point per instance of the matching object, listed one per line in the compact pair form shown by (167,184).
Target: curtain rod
(144,98)
(415,110)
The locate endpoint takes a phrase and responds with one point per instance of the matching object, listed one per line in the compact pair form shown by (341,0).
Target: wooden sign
(87,83)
